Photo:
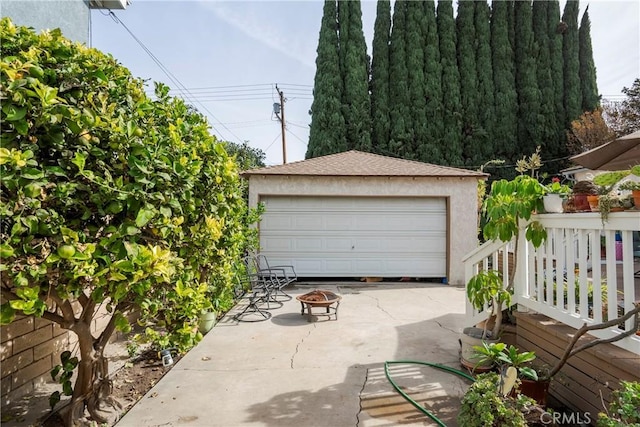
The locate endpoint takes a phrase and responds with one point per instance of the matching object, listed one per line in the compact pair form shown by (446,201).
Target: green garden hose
(433,365)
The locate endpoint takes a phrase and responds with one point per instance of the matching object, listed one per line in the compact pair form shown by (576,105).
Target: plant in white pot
(508,204)
(554,195)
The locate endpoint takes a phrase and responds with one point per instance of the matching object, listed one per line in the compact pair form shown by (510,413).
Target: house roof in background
(358,163)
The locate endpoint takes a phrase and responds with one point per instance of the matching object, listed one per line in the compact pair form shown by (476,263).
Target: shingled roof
(358,163)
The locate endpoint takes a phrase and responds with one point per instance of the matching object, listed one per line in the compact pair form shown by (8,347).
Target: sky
(226,58)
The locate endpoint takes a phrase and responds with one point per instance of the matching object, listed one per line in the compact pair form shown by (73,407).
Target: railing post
(522,265)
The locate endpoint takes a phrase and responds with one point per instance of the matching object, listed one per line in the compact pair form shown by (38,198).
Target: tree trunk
(92,389)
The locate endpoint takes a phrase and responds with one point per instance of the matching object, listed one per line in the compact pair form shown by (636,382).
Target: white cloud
(257,21)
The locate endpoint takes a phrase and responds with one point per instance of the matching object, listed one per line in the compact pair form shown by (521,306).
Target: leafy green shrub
(625,407)
(484,406)
(109,199)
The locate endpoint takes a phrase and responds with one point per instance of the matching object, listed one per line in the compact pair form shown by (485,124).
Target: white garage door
(356,236)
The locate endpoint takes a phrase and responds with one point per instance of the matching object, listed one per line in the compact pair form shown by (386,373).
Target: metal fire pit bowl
(319,298)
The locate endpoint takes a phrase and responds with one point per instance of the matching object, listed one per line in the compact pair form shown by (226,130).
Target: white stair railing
(583,273)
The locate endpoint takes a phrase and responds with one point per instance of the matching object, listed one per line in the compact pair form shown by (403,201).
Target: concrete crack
(366,378)
(380,307)
(293,356)
(444,327)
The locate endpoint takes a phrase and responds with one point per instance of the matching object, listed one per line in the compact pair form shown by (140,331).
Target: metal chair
(256,296)
(283,275)
(269,279)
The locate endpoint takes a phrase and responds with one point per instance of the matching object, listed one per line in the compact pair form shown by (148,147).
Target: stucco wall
(71,16)
(461,193)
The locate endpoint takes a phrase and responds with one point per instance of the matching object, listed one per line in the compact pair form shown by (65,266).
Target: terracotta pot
(581,203)
(636,198)
(537,390)
(593,203)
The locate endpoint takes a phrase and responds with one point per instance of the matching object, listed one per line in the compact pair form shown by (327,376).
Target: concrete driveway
(287,371)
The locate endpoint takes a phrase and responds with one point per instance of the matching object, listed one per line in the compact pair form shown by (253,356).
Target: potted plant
(507,205)
(611,179)
(207,320)
(489,397)
(516,370)
(553,196)
(484,405)
(634,187)
(581,191)
(484,289)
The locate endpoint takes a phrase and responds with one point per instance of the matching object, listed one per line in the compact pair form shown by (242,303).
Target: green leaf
(6,251)
(80,161)
(144,216)
(130,230)
(529,373)
(55,371)
(115,276)
(14,113)
(31,173)
(70,364)
(124,265)
(7,314)
(67,389)
(20,305)
(65,356)
(54,399)
(22,127)
(27,293)
(122,324)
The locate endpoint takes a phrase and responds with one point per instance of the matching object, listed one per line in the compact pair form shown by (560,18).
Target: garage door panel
(308,223)
(361,236)
(278,244)
(338,244)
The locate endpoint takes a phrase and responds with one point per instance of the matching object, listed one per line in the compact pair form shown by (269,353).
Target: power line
(297,137)
(170,75)
(298,125)
(272,142)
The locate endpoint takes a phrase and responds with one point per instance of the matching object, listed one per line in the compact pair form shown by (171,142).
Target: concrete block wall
(29,349)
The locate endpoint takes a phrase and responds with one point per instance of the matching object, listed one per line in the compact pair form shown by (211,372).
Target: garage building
(356,214)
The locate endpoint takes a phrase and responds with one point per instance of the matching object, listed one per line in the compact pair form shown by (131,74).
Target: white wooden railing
(568,278)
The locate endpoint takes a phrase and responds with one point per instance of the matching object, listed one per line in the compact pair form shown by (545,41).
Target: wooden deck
(588,378)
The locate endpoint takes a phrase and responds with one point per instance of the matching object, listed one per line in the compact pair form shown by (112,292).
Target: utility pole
(280,115)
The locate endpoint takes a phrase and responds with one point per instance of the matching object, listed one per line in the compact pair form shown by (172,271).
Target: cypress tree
(506,100)
(570,54)
(452,120)
(587,71)
(486,105)
(356,105)
(548,117)
(327,133)
(555,33)
(379,84)
(465,32)
(399,112)
(526,83)
(431,150)
(414,40)
(511,24)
